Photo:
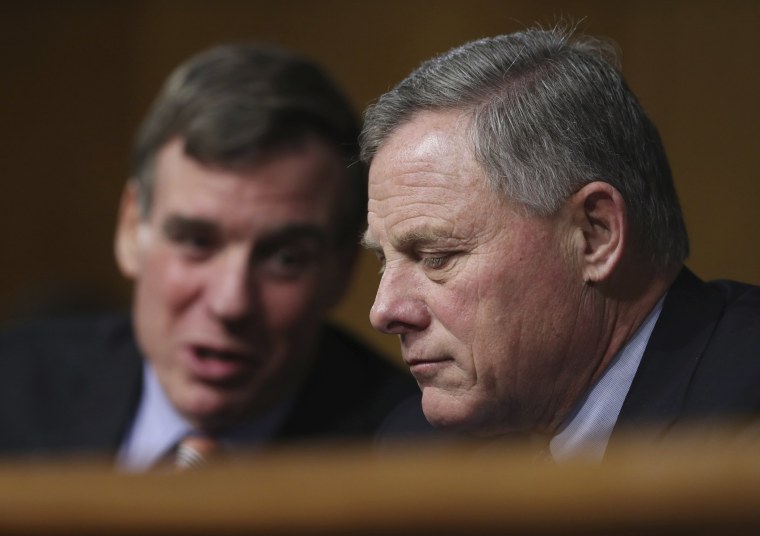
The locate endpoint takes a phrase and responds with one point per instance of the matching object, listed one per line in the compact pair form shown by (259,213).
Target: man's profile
(532,243)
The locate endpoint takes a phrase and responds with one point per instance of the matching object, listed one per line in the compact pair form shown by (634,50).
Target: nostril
(399,328)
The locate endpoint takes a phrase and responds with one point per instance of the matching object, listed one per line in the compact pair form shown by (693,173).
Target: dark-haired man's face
(233,272)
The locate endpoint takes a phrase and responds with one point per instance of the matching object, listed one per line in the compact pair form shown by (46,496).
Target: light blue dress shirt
(158,427)
(586,431)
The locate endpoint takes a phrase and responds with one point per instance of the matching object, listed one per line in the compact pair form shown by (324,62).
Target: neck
(627,299)
(615,310)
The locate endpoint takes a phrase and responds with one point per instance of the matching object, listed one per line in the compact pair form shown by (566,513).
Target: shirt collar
(586,431)
(158,427)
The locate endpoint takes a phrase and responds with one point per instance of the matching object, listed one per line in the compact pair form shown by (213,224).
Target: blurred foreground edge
(683,486)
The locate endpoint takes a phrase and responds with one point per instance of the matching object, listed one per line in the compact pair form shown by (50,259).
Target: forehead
(424,173)
(428,141)
(304,179)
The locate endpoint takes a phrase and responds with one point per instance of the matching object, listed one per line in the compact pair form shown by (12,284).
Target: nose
(230,289)
(399,306)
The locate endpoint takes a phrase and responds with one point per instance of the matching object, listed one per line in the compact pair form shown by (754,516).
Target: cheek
(288,305)
(495,309)
(167,282)
(458,311)
(523,316)
(477,301)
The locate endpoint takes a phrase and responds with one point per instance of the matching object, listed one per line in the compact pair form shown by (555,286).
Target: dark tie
(195,451)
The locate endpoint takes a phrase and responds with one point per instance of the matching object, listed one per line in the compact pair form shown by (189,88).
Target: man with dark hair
(239,229)
(532,243)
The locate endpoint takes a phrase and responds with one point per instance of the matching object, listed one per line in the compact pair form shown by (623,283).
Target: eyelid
(435,261)
(269,249)
(195,242)
(300,257)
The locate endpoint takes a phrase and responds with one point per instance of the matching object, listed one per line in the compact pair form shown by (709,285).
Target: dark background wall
(78,75)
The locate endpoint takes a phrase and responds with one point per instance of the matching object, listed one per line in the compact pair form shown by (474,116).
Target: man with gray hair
(532,249)
(239,228)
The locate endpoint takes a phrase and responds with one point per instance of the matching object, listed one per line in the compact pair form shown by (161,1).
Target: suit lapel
(683,330)
(110,392)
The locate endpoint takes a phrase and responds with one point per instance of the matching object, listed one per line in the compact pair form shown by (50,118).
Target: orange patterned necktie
(195,451)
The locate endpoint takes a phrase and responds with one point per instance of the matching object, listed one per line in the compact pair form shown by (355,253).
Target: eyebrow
(178,223)
(292,233)
(408,240)
(367,242)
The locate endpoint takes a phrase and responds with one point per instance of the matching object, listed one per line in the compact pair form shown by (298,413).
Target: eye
(193,238)
(436,261)
(194,245)
(288,262)
(199,241)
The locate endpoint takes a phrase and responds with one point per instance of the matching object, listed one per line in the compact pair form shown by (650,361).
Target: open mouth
(220,366)
(223,355)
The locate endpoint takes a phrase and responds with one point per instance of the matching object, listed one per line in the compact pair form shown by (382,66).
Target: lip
(427,367)
(218,363)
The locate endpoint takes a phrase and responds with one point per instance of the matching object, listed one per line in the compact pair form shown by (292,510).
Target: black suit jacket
(702,362)
(72,387)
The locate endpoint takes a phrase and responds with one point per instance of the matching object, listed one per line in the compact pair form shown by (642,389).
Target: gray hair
(233,103)
(548,114)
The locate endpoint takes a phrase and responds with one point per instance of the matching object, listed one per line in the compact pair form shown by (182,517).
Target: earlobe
(126,241)
(600,213)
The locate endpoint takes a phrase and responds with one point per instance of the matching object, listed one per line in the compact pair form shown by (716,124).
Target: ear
(599,213)
(126,241)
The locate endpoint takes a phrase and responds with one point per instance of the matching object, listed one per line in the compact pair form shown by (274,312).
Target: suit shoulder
(741,312)
(67,385)
(64,341)
(739,294)
(729,371)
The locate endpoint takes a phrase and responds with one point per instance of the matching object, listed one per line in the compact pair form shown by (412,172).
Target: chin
(443,410)
(459,413)
(213,412)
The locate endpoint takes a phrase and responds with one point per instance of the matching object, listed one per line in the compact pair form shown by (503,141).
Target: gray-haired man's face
(486,301)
